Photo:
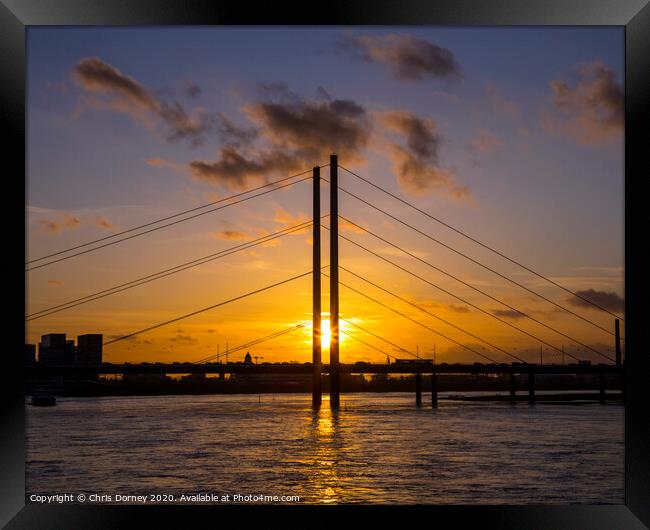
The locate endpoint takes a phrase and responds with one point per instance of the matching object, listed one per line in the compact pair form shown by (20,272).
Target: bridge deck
(306,368)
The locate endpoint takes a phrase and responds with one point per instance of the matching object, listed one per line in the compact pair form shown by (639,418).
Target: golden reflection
(326,443)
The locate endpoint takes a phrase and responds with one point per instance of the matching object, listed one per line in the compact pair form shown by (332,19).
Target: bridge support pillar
(602,387)
(334,283)
(418,389)
(434,390)
(513,389)
(316,391)
(531,388)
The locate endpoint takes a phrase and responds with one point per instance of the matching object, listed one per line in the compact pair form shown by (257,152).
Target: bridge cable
(176,319)
(380,338)
(167,272)
(479,263)
(482,244)
(170,217)
(470,303)
(434,315)
(253,343)
(416,321)
(165,225)
(368,344)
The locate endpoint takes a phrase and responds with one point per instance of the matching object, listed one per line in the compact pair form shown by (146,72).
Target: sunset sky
(514,136)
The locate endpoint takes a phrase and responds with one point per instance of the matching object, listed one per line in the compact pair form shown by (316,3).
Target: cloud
(485,142)
(286,220)
(458,308)
(607,300)
(409,58)
(184,338)
(132,339)
(236,171)
(311,129)
(231,235)
(162,163)
(500,104)
(590,113)
(508,313)
(98,77)
(455,308)
(102,222)
(231,134)
(417,164)
(295,132)
(65,222)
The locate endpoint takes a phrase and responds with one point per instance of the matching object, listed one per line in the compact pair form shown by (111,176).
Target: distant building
(90,348)
(70,354)
(413,361)
(52,349)
(30,354)
(248,359)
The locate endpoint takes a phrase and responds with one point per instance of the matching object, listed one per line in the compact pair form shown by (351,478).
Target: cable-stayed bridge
(607,364)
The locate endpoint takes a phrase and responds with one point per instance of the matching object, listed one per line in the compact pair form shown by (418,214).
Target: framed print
(279,261)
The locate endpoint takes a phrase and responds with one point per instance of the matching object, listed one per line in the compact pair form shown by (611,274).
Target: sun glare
(326,335)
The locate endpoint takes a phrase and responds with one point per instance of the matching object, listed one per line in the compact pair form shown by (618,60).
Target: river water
(379,448)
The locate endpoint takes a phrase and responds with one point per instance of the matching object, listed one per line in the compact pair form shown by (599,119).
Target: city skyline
(530,164)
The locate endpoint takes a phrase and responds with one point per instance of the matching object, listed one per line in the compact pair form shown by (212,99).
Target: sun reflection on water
(327,442)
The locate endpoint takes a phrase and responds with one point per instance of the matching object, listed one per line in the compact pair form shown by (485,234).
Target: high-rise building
(70,355)
(30,354)
(52,348)
(90,348)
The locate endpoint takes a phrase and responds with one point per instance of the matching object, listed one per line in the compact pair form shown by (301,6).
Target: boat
(43,400)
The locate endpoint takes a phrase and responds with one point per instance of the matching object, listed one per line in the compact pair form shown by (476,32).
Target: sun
(325,335)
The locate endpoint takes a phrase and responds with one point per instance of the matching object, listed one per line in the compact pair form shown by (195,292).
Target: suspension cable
(482,244)
(176,319)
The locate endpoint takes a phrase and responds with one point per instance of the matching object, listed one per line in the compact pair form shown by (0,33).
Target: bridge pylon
(316,295)
(334,284)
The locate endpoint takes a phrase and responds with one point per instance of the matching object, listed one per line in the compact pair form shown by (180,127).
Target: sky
(511,135)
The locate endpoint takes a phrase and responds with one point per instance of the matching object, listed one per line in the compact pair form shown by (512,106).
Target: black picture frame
(16,15)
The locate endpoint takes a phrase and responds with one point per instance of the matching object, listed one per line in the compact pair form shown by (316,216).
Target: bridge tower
(334,283)
(316,294)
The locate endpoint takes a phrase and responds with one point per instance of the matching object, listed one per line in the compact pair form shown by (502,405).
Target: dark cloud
(184,338)
(296,133)
(508,313)
(591,112)
(237,171)
(312,129)
(607,300)
(98,77)
(417,163)
(231,134)
(409,58)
